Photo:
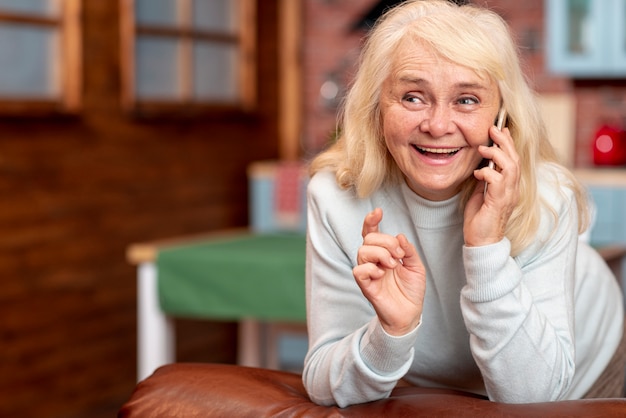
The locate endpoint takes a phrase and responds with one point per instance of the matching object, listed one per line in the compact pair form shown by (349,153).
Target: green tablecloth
(259,276)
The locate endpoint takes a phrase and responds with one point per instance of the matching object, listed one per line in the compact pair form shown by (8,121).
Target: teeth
(439,150)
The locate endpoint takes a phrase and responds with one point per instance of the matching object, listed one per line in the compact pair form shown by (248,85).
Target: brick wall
(331,48)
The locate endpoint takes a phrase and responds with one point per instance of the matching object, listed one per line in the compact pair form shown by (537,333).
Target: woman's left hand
(487,214)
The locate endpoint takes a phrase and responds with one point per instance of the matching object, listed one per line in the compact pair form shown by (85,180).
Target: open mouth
(437,152)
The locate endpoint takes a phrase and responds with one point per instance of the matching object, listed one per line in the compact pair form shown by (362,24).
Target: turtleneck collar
(429,214)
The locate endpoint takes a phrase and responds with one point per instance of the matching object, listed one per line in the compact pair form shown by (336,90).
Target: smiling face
(435,115)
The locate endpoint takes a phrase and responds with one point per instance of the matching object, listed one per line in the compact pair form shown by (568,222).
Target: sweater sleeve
(351,359)
(520,312)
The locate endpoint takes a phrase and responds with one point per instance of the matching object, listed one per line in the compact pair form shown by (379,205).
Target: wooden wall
(76,192)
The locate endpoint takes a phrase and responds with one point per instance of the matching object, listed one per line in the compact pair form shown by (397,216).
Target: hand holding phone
(499,124)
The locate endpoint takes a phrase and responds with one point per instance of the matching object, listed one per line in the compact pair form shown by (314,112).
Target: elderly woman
(428,265)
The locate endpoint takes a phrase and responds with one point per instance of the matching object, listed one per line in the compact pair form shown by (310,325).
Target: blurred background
(125,121)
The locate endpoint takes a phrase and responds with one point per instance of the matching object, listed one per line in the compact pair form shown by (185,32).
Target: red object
(287,193)
(609,146)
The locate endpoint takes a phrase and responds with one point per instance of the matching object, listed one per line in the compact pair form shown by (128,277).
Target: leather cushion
(219,390)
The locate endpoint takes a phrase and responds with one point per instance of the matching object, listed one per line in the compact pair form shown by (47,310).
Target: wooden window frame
(186,106)
(70,98)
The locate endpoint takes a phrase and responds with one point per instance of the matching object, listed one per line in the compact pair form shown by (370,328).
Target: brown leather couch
(218,390)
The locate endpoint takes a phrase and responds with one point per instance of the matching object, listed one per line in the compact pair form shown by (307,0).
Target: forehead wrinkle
(412,57)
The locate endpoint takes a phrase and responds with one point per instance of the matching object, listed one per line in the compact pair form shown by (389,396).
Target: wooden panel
(290,70)
(77,192)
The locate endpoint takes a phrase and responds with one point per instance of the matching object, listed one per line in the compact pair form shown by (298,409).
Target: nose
(438,122)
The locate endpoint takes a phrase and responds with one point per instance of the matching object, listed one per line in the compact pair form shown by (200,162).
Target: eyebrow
(421,81)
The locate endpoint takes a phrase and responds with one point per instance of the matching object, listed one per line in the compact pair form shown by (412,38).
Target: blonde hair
(467,35)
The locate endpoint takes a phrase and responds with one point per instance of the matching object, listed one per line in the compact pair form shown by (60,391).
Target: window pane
(215,15)
(157,12)
(157,68)
(28,57)
(579,23)
(39,7)
(216,72)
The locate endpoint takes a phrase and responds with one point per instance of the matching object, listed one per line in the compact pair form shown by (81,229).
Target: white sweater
(537,327)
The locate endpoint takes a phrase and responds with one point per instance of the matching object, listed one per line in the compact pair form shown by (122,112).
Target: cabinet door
(609,226)
(586,38)
(618,23)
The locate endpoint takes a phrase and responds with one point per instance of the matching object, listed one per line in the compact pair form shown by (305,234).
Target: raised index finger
(371,221)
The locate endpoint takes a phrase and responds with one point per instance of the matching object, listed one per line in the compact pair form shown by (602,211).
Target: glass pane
(215,15)
(579,26)
(216,72)
(157,12)
(28,61)
(157,68)
(38,7)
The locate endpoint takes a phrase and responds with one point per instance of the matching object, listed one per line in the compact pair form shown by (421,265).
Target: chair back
(277,196)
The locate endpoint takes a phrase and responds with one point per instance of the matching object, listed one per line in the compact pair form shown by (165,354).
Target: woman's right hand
(391,276)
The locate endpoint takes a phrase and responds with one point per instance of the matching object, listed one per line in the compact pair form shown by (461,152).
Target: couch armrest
(208,390)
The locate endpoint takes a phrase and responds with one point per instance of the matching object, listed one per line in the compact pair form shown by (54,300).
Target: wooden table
(255,279)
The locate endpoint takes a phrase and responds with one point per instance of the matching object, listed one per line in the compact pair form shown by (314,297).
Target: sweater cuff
(490,271)
(387,354)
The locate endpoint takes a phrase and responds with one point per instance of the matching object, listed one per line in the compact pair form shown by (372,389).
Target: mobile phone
(500,121)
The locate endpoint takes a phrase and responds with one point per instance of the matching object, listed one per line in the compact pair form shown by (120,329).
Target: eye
(412,98)
(468,100)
